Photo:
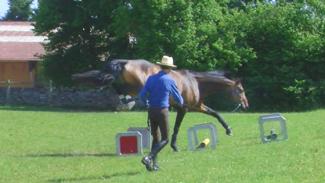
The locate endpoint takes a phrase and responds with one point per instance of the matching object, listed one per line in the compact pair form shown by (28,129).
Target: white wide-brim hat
(167,61)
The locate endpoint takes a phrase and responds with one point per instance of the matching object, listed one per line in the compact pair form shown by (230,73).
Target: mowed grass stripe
(45,145)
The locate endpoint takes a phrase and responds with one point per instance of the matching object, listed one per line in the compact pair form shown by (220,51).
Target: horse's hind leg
(179,118)
(207,110)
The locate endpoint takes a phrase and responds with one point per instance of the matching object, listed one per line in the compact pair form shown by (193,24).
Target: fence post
(50,92)
(8,91)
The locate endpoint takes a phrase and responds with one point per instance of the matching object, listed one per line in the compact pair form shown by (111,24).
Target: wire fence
(10,85)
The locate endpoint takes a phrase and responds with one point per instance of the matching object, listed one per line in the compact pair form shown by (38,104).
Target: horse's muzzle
(244,104)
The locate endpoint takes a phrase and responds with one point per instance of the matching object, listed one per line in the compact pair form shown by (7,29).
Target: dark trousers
(158,122)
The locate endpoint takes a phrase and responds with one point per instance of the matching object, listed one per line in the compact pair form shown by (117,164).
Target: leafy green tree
(278,47)
(19,10)
(288,40)
(79,35)
(194,32)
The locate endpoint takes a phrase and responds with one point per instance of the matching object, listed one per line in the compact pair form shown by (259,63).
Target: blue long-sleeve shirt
(157,90)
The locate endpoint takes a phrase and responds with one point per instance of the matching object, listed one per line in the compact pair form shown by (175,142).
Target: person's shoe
(155,167)
(229,131)
(147,162)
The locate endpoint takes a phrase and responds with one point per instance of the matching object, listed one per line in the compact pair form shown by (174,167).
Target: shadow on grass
(52,109)
(70,155)
(104,177)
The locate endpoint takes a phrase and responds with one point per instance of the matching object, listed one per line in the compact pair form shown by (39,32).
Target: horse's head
(239,95)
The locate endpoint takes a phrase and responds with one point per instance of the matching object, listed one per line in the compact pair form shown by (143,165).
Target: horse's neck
(211,86)
(222,84)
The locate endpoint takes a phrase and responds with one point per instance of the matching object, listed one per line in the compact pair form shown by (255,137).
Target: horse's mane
(216,75)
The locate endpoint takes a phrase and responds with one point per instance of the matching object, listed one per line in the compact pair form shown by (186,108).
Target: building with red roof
(20,51)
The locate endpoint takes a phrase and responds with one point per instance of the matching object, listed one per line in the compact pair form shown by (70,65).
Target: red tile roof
(18,42)
(12,51)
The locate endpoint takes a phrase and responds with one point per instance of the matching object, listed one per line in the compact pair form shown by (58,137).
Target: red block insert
(128,144)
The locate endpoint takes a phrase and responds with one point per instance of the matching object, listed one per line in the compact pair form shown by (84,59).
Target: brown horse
(129,76)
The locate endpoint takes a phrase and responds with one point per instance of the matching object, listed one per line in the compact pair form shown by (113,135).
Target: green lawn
(41,145)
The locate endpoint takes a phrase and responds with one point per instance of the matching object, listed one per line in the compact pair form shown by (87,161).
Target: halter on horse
(129,76)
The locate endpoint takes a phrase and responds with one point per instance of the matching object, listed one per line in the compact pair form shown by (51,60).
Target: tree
(194,32)
(277,46)
(80,32)
(19,10)
(288,40)
(79,35)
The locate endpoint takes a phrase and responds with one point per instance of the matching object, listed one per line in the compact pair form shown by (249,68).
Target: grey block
(273,135)
(145,135)
(192,137)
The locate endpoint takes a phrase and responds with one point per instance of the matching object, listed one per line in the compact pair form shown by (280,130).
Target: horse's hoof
(174,147)
(229,131)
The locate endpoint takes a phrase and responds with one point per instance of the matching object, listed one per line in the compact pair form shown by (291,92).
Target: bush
(289,44)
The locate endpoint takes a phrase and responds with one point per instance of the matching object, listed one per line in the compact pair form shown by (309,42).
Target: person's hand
(147,104)
(180,105)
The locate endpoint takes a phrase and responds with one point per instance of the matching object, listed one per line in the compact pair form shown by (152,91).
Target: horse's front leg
(207,110)
(179,118)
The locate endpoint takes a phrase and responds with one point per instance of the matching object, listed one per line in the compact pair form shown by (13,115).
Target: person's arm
(176,94)
(143,95)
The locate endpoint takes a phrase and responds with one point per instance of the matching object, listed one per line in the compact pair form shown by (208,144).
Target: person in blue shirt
(155,93)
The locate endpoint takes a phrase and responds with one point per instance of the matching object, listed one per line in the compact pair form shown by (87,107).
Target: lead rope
(148,123)
(238,106)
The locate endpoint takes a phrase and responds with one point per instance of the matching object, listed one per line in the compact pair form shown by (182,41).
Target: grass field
(40,145)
